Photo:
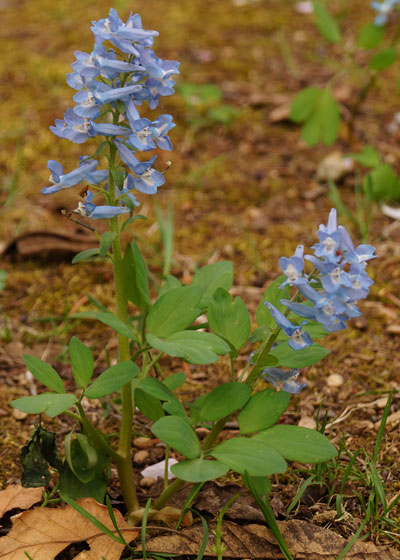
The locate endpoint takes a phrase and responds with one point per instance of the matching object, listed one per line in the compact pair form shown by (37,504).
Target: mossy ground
(242,191)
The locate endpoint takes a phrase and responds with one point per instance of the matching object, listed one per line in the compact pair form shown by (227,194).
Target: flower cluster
(329,293)
(111,83)
(383,8)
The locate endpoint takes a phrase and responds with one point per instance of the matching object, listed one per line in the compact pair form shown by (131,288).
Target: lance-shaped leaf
(82,362)
(174,311)
(192,346)
(135,277)
(112,379)
(325,23)
(105,242)
(178,434)
(44,373)
(109,319)
(229,319)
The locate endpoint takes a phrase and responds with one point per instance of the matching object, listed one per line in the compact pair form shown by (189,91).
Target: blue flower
(90,210)
(298,339)
(362,254)
(148,179)
(63,181)
(329,237)
(276,375)
(113,94)
(86,104)
(293,268)
(73,127)
(383,8)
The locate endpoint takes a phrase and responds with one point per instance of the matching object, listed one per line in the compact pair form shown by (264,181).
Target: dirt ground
(245,191)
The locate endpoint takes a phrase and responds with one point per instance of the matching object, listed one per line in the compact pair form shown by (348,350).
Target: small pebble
(18,415)
(307,422)
(335,380)
(147,482)
(144,442)
(393,329)
(141,457)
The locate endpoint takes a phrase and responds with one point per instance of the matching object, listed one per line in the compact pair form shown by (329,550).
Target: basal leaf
(229,319)
(211,277)
(52,404)
(287,357)
(192,346)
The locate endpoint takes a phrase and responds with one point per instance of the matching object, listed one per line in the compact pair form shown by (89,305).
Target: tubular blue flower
(329,239)
(113,94)
(383,8)
(161,126)
(333,276)
(73,127)
(106,129)
(148,179)
(293,268)
(362,254)
(90,210)
(86,104)
(121,35)
(276,375)
(86,64)
(298,339)
(60,180)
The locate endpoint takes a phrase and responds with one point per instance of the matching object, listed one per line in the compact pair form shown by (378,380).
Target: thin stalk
(124,462)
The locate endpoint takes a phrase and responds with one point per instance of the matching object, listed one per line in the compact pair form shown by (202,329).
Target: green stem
(94,435)
(124,461)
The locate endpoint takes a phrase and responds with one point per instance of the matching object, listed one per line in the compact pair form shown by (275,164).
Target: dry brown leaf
(306,541)
(45,532)
(16,496)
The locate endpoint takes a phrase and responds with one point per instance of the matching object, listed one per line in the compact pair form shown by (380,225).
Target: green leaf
(273,294)
(260,333)
(95,488)
(199,470)
(370,36)
(135,277)
(174,311)
(263,410)
(108,319)
(325,23)
(175,380)
(384,183)
(298,444)
(118,177)
(369,157)
(156,389)
(80,456)
(82,362)
(329,117)
(224,400)
(248,455)
(105,242)
(383,59)
(303,104)
(112,379)
(229,319)
(319,111)
(52,404)
(192,346)
(287,357)
(86,255)
(170,284)
(200,94)
(178,434)
(150,406)
(211,277)
(132,219)
(44,373)
(195,407)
